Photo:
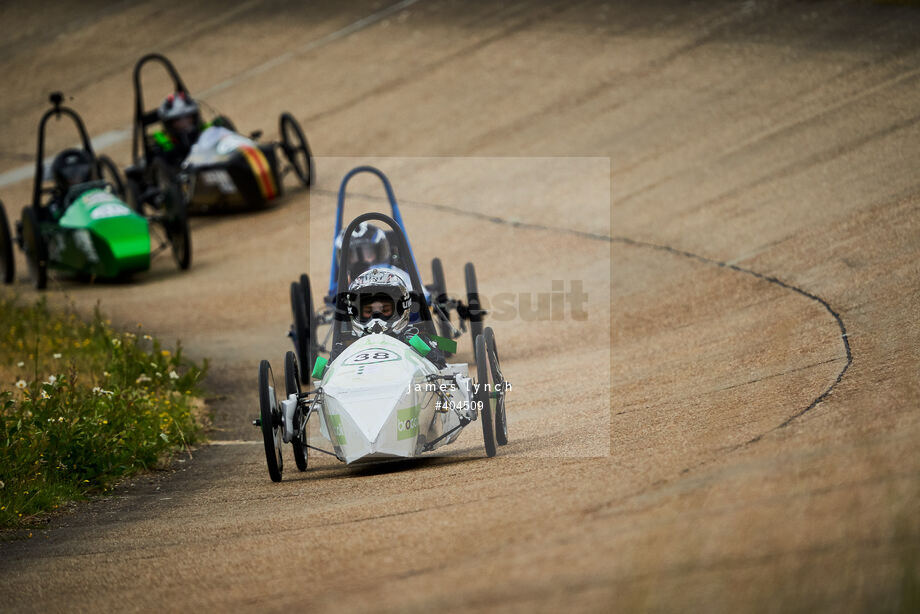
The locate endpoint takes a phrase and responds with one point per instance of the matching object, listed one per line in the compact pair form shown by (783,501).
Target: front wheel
(180,235)
(7,264)
(292,386)
(498,384)
(296,149)
(270,414)
(482,395)
(35,248)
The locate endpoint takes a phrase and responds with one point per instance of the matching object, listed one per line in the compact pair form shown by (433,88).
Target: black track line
(670,250)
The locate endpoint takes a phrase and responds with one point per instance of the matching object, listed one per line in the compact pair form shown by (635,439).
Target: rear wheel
(482,395)
(302,310)
(472,299)
(439,297)
(35,248)
(296,149)
(292,386)
(109,172)
(7,264)
(497,393)
(313,346)
(270,414)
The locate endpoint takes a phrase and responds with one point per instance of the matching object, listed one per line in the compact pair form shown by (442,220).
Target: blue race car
(370,246)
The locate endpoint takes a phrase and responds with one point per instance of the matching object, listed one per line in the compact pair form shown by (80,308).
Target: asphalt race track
(733,426)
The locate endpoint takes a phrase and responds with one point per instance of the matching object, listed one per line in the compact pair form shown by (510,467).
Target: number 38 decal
(371,356)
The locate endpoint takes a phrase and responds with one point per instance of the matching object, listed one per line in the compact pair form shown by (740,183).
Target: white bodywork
(216,144)
(377,401)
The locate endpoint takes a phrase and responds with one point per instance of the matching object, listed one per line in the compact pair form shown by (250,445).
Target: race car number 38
(371,356)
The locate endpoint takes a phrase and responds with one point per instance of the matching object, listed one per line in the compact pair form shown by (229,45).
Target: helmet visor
(75,173)
(378,305)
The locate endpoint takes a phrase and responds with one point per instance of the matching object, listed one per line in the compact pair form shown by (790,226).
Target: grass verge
(82,406)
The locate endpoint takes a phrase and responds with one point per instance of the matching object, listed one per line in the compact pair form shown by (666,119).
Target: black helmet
(368,246)
(71,167)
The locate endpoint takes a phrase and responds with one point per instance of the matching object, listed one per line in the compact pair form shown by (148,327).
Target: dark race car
(214,166)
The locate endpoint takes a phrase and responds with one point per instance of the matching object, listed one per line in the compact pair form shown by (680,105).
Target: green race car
(81,225)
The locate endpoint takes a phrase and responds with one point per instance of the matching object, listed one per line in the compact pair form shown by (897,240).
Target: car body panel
(378,403)
(99,235)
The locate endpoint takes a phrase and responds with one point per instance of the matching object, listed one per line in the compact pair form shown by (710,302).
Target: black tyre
(302,332)
(472,299)
(180,239)
(35,248)
(313,345)
(270,414)
(292,386)
(133,196)
(7,264)
(439,297)
(311,316)
(109,172)
(497,394)
(482,396)
(167,191)
(174,210)
(296,149)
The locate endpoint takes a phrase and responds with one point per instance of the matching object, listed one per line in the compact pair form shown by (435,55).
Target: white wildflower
(143,377)
(173,374)
(45,395)
(100,391)
(51,379)
(20,364)
(21,384)
(116,342)
(56,356)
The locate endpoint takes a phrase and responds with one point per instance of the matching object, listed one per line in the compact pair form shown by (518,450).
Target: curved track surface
(751,335)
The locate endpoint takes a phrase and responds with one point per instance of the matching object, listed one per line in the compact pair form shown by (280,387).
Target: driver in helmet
(378,301)
(181,126)
(368,247)
(70,167)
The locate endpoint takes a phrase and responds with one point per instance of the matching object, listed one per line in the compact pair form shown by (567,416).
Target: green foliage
(82,405)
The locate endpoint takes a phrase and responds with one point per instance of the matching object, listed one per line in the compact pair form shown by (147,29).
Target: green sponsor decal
(335,423)
(319,366)
(407,422)
(444,344)
(419,344)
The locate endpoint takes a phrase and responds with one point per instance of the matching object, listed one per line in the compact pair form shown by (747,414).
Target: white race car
(380,397)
